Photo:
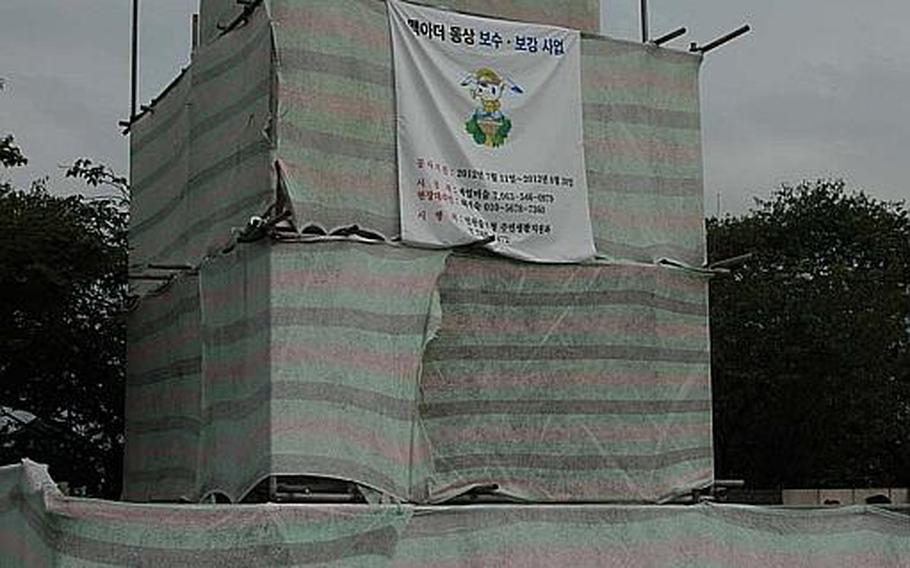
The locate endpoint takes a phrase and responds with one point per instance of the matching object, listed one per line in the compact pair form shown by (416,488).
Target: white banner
(490,134)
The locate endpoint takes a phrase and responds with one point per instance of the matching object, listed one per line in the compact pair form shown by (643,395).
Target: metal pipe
(732,261)
(721,40)
(153,266)
(195,31)
(148,277)
(729,483)
(134,78)
(669,37)
(644,21)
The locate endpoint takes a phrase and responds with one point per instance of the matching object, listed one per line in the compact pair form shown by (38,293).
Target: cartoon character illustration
(488,125)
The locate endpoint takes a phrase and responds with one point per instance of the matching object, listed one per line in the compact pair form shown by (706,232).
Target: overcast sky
(820,88)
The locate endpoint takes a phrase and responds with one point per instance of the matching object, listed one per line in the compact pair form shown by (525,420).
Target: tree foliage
(811,340)
(63,263)
(10,154)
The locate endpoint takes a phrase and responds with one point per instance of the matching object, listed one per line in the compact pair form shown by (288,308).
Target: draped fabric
(308,86)
(337,131)
(41,528)
(201,160)
(568,383)
(424,374)
(164,395)
(421,374)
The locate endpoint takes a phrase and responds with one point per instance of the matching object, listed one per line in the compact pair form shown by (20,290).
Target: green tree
(811,340)
(63,263)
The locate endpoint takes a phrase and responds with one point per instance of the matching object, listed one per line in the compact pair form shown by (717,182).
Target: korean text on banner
(490,134)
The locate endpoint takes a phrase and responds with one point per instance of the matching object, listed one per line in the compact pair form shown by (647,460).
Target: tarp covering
(159,169)
(553,383)
(337,131)
(568,383)
(424,374)
(232,171)
(349,323)
(164,395)
(198,383)
(201,160)
(236,335)
(41,528)
(642,127)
